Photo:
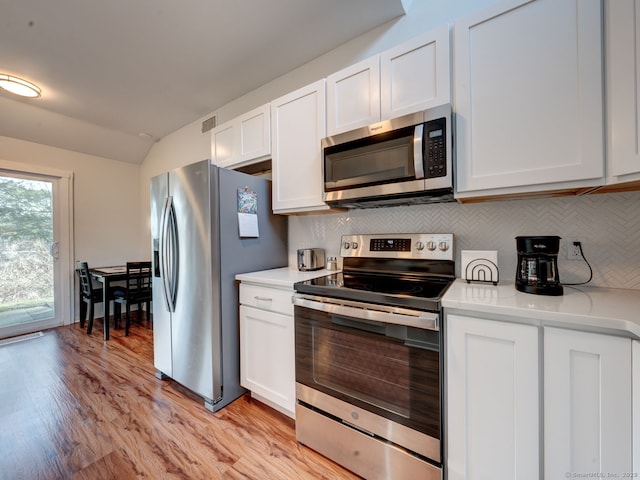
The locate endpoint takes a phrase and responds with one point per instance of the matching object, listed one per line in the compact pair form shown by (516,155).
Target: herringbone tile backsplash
(608,225)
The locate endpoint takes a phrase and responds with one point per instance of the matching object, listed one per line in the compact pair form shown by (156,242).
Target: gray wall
(188,144)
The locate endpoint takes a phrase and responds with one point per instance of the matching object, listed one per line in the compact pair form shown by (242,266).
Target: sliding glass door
(34,286)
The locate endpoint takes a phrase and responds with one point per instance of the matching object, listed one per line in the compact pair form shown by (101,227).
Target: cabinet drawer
(265,298)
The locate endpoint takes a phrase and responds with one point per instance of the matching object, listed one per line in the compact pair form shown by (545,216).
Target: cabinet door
(254,135)
(623,88)
(528,94)
(416,75)
(298,125)
(587,403)
(492,371)
(223,144)
(635,396)
(267,362)
(353,96)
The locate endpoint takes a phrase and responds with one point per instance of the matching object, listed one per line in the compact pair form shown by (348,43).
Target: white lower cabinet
(635,407)
(492,427)
(524,402)
(587,404)
(267,360)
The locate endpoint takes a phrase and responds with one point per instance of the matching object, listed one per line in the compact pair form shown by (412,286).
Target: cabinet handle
(263,299)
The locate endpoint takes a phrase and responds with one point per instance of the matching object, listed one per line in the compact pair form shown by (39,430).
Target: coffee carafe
(537,270)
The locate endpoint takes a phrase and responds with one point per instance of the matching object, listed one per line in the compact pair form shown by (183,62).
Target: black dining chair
(89,295)
(137,291)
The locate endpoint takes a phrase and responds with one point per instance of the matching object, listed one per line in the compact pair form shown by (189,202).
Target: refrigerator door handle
(175,256)
(170,253)
(163,251)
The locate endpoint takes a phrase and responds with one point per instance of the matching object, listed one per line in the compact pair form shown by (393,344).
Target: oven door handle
(368,311)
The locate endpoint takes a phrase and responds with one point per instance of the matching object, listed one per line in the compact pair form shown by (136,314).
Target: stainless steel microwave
(403,161)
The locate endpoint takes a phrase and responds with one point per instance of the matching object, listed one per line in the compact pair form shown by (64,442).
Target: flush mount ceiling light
(18,86)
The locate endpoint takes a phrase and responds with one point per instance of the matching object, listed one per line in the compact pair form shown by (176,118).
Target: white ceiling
(116,75)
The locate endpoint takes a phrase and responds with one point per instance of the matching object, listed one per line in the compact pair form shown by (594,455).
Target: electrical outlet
(573,250)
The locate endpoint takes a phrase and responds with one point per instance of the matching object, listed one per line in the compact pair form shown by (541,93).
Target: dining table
(108,277)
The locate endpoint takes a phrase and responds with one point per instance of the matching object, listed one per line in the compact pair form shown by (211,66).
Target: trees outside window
(26,234)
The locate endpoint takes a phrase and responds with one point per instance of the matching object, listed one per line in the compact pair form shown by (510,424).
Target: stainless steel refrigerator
(197,251)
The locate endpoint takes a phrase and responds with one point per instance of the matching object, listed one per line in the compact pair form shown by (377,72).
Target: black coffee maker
(537,270)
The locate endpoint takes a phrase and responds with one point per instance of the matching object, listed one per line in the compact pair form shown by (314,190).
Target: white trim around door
(62,247)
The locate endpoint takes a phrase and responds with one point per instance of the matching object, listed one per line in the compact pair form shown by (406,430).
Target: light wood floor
(75,407)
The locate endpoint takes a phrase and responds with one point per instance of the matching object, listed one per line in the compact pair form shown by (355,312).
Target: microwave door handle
(418,162)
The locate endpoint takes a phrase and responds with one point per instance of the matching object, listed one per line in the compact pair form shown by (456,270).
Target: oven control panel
(424,246)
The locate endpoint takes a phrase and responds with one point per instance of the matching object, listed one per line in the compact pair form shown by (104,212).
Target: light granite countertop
(598,310)
(283,277)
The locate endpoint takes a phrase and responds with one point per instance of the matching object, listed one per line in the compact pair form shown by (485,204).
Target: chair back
(86,284)
(138,280)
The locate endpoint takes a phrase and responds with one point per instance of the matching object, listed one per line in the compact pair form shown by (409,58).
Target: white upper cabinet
(353,96)
(254,134)
(223,144)
(529,98)
(244,140)
(298,122)
(622,56)
(416,75)
(405,79)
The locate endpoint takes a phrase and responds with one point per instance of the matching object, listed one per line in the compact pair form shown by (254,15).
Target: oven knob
(420,246)
(354,245)
(431,245)
(346,245)
(444,246)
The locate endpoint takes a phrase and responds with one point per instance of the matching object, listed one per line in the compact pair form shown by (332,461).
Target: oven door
(389,369)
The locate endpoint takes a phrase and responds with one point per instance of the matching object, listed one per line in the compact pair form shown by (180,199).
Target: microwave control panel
(435,148)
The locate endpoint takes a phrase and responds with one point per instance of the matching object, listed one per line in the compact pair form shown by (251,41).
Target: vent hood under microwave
(403,161)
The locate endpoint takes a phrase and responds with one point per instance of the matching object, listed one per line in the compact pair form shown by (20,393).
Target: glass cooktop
(411,292)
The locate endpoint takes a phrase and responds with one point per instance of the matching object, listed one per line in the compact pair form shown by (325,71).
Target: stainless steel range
(369,356)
